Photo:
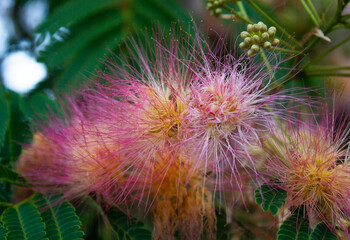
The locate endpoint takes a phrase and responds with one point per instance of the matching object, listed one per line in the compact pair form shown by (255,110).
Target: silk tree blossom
(232,105)
(165,128)
(310,162)
(77,157)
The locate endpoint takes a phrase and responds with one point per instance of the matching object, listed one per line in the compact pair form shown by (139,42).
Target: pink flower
(165,128)
(310,161)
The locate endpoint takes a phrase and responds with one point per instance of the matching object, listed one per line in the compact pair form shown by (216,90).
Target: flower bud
(250,28)
(245,34)
(272,31)
(256,39)
(209,5)
(218,11)
(267,44)
(265,36)
(242,45)
(255,48)
(256,28)
(248,40)
(275,42)
(262,27)
(250,53)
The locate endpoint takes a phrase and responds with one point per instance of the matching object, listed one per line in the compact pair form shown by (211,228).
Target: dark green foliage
(4,113)
(222,227)
(40,218)
(39,106)
(270,198)
(322,232)
(18,130)
(61,222)
(126,227)
(23,222)
(95,29)
(296,227)
(9,175)
(3,233)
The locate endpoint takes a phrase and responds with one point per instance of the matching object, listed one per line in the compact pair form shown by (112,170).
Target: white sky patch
(5,25)
(4,34)
(34,12)
(21,72)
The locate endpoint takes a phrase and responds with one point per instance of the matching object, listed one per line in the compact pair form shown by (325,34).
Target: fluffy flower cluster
(167,129)
(310,161)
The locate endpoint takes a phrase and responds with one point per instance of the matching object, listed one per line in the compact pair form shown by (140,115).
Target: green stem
(284,50)
(5,204)
(242,9)
(273,22)
(328,51)
(326,68)
(329,27)
(267,64)
(329,74)
(237,15)
(308,10)
(313,9)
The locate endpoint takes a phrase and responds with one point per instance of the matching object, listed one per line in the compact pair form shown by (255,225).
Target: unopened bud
(218,11)
(265,36)
(250,53)
(250,28)
(245,34)
(275,42)
(256,39)
(256,27)
(255,48)
(262,27)
(242,45)
(248,40)
(272,31)
(267,45)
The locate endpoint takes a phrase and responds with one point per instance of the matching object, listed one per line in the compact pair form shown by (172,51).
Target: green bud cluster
(257,37)
(215,7)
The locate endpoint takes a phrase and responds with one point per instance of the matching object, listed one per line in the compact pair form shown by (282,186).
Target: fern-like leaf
(296,227)
(322,232)
(96,27)
(270,198)
(73,11)
(3,233)
(23,222)
(61,222)
(127,228)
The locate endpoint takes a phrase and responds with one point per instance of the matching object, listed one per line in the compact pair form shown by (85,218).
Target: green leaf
(322,232)
(4,115)
(296,227)
(223,228)
(270,198)
(10,176)
(73,11)
(23,222)
(3,233)
(127,228)
(96,29)
(61,222)
(39,106)
(18,131)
